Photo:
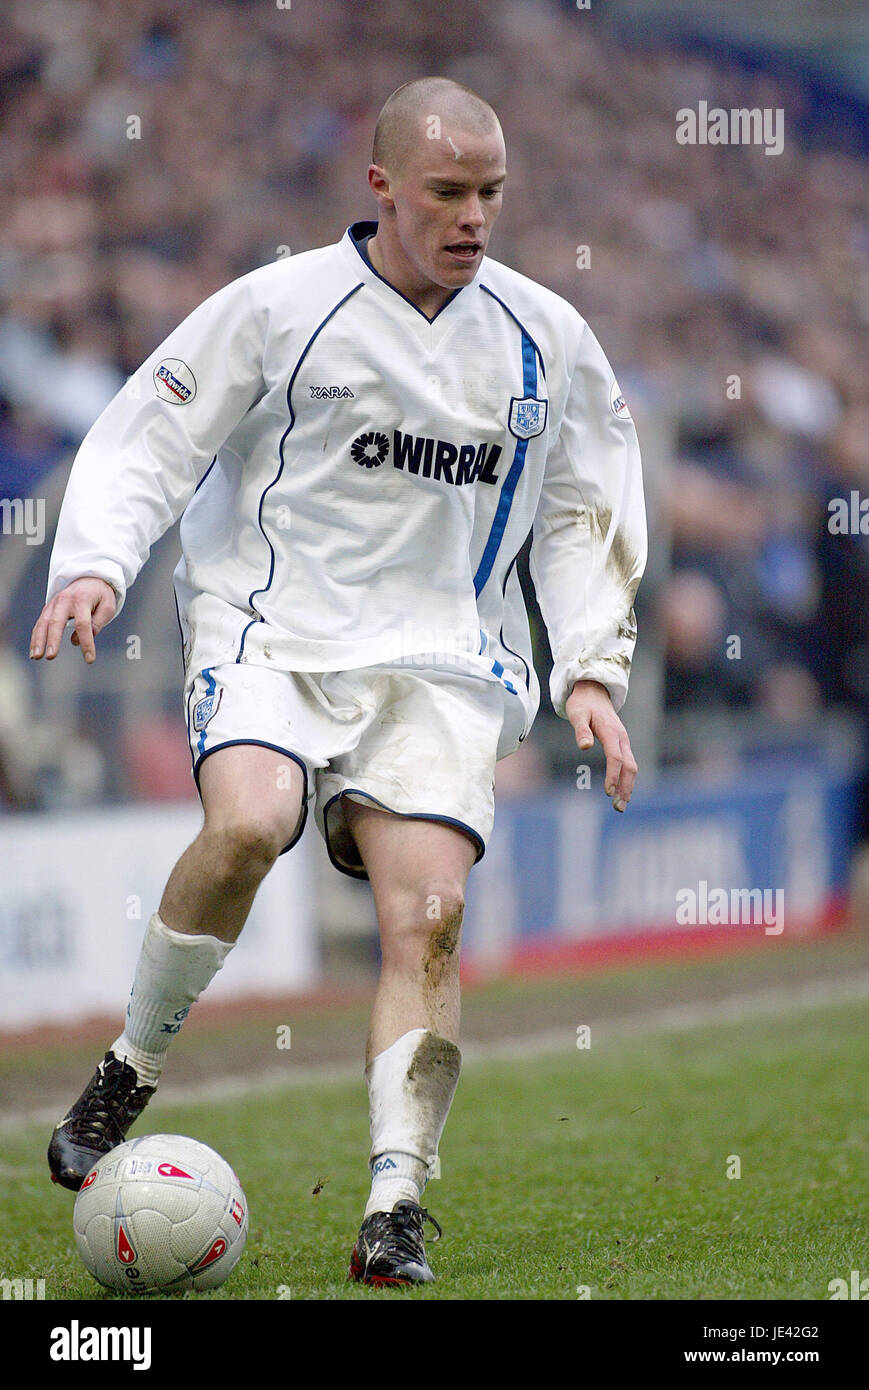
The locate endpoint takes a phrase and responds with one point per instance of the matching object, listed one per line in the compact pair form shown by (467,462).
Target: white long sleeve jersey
(357,480)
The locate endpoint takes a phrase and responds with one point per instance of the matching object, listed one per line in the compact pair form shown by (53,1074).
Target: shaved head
(429,108)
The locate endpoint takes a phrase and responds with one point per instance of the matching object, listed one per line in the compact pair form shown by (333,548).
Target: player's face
(446,200)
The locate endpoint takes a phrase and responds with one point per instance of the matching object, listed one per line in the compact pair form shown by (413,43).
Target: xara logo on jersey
(457,464)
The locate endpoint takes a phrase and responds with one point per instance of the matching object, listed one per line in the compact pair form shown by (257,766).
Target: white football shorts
(411,739)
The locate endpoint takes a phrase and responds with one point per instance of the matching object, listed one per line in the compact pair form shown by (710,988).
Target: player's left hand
(590,711)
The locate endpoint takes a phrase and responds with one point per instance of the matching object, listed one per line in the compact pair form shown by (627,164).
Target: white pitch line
(675,1018)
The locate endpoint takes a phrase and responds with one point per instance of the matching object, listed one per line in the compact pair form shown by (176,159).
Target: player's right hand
(89,603)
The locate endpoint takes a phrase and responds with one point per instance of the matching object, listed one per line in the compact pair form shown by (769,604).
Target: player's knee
(425,924)
(444,910)
(441,955)
(245,849)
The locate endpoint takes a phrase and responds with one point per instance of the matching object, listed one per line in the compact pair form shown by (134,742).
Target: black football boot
(98,1121)
(391,1249)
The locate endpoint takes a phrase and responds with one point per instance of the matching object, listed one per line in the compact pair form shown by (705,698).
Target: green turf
(603,1168)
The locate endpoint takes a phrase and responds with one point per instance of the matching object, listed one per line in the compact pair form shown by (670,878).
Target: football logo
(214,1253)
(126,1253)
(168,1170)
(369,450)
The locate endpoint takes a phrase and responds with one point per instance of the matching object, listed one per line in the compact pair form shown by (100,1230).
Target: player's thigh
(251,791)
(418,868)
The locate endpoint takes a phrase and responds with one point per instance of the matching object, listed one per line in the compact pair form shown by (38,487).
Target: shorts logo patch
(174,381)
(618,404)
(527,416)
(205,709)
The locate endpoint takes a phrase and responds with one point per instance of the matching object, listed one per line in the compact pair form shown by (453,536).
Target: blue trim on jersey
(205,475)
(180,633)
(190,726)
(517,655)
(360,232)
(519,324)
(305,350)
(505,501)
(253,622)
(210,687)
(498,670)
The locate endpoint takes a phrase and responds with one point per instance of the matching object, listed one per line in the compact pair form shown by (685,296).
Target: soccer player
(360,439)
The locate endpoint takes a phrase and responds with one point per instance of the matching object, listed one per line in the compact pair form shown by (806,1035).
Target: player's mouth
(465,251)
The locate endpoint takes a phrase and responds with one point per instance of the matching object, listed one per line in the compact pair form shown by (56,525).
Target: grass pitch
(718,1162)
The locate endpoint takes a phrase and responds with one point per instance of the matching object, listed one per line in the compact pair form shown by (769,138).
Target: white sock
(410,1089)
(395,1177)
(173,969)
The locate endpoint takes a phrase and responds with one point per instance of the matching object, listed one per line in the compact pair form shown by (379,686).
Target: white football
(160,1212)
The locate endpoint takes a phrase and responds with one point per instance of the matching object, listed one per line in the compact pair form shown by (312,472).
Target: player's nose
(472,214)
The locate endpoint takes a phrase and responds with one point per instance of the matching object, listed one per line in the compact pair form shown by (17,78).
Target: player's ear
(380,184)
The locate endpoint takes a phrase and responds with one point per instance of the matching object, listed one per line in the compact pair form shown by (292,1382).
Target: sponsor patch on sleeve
(174,381)
(618,404)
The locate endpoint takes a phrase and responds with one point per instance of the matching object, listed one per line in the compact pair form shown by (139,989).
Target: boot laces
(112,1104)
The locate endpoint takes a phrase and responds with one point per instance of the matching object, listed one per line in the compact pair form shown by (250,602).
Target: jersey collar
(357,237)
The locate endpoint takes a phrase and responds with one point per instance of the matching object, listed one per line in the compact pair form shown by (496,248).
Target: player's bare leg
(418,870)
(252,798)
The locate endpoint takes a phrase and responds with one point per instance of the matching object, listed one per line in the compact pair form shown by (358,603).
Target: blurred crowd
(152,152)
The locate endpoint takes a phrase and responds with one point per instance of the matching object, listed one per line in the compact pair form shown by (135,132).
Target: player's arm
(588,555)
(140,463)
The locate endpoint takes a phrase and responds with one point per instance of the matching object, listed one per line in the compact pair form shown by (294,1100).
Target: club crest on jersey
(618,404)
(174,381)
(527,416)
(205,709)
